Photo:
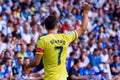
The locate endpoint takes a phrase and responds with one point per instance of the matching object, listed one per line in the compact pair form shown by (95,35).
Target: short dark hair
(28,45)
(96,49)
(72,53)
(15,24)
(50,22)
(115,56)
(19,58)
(90,64)
(76,61)
(9,21)
(8,59)
(26,58)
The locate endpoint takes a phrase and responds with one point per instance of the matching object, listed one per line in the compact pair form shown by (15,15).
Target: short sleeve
(71,36)
(71,72)
(40,46)
(112,65)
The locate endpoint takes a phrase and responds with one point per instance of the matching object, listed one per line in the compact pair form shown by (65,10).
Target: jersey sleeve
(71,36)
(40,46)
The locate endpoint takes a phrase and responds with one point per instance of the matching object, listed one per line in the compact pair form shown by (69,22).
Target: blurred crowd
(94,56)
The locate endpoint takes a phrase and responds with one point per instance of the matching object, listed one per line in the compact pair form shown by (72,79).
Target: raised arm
(86,8)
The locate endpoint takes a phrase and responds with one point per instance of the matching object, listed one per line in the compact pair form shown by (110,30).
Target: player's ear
(57,26)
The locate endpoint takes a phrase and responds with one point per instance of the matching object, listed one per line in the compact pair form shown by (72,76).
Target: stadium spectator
(23,53)
(29,51)
(74,72)
(84,60)
(26,61)
(95,58)
(115,66)
(103,76)
(87,70)
(7,67)
(35,34)
(2,75)
(16,31)
(70,60)
(19,66)
(26,36)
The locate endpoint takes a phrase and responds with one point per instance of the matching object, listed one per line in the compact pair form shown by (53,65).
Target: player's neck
(52,31)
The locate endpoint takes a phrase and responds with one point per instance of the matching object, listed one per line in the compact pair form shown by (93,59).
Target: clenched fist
(86,6)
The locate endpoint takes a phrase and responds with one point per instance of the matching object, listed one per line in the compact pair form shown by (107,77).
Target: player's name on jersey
(57,41)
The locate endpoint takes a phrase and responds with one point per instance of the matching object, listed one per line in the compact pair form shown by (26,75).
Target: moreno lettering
(57,41)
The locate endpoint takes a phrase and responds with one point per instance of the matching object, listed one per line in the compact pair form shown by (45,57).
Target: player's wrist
(85,12)
(86,7)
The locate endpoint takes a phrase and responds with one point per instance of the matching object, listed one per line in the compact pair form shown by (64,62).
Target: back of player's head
(51,22)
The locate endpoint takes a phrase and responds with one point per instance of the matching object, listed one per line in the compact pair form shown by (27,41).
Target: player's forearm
(35,62)
(84,21)
(86,8)
(32,64)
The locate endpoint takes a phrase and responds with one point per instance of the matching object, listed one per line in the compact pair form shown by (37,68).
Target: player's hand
(26,70)
(86,6)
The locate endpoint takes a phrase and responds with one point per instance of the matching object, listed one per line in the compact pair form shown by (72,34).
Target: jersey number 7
(60,48)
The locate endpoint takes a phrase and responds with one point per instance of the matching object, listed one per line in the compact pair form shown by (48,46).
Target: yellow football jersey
(54,48)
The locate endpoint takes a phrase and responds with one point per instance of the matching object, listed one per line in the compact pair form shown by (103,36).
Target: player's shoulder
(44,37)
(41,38)
(67,33)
